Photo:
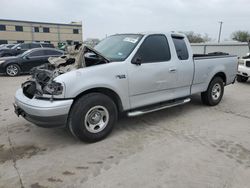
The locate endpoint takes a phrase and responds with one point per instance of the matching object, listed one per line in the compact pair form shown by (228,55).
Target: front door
(153,74)
(34,59)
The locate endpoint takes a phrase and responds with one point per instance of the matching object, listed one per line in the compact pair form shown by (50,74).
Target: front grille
(247,63)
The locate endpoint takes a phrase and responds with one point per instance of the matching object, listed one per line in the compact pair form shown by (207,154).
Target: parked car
(125,73)
(244,69)
(7,45)
(23,63)
(22,47)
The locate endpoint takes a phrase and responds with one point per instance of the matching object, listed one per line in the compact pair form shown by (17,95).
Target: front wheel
(241,78)
(12,70)
(214,93)
(92,117)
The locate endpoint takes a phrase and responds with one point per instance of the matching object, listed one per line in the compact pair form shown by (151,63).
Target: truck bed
(207,65)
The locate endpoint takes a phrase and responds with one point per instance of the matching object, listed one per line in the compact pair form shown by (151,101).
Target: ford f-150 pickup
(135,74)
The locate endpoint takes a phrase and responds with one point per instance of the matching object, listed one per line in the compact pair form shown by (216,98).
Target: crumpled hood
(42,79)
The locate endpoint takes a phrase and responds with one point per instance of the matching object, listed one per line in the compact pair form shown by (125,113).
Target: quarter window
(181,48)
(2,28)
(154,48)
(19,28)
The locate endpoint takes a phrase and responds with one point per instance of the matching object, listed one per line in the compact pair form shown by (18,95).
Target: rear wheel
(92,117)
(214,93)
(241,78)
(12,70)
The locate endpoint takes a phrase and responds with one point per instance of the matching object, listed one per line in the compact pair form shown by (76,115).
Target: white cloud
(101,17)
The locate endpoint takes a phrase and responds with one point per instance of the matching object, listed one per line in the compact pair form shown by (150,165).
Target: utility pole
(220,22)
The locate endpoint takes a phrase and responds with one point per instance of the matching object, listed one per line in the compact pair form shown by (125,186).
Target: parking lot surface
(186,146)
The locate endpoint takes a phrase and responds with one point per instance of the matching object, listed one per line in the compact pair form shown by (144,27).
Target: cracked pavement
(185,146)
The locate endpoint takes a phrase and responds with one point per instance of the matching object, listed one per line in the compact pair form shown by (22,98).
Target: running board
(159,107)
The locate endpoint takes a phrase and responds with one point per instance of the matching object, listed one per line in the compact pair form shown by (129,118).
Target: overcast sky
(106,17)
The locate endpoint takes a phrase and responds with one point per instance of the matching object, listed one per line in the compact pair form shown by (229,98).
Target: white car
(244,69)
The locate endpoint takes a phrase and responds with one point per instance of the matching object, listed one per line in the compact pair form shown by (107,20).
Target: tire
(92,117)
(12,70)
(241,78)
(214,93)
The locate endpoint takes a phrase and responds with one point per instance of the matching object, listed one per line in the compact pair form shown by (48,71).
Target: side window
(154,48)
(53,52)
(181,48)
(34,45)
(46,29)
(36,29)
(24,46)
(2,27)
(19,28)
(37,53)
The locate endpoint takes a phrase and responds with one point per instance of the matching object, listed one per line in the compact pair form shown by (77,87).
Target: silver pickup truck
(132,73)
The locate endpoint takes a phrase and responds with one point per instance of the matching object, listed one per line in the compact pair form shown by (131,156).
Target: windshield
(118,47)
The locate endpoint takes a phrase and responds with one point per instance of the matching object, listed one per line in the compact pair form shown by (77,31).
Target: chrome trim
(141,112)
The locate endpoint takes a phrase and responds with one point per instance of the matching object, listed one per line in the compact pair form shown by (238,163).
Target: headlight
(53,88)
(2,61)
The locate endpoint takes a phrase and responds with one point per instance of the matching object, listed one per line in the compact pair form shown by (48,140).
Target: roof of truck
(156,32)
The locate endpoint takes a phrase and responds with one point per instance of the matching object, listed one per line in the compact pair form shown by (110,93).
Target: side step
(159,107)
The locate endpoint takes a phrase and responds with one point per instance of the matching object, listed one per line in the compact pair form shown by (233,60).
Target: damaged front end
(42,83)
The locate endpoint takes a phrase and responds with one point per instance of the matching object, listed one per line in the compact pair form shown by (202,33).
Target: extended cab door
(152,73)
(183,58)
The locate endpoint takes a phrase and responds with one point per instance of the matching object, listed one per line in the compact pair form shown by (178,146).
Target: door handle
(172,70)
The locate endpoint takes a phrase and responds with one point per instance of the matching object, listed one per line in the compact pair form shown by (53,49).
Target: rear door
(184,66)
(153,80)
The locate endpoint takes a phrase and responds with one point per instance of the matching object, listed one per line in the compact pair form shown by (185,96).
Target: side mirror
(136,60)
(18,48)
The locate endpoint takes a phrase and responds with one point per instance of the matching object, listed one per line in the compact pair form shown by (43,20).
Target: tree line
(240,36)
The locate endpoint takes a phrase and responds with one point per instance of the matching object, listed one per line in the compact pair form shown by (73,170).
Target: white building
(235,48)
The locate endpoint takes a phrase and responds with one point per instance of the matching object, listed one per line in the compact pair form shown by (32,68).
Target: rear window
(48,45)
(181,48)
(34,45)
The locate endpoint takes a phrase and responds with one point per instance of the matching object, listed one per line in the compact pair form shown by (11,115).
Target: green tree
(241,36)
(197,38)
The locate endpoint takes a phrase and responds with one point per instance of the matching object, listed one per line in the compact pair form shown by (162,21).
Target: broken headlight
(53,88)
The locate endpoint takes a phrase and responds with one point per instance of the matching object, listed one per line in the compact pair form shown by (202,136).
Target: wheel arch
(106,91)
(222,75)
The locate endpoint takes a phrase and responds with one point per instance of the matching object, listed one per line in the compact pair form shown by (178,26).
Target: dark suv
(22,47)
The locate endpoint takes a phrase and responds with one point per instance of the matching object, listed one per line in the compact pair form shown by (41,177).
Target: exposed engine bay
(42,77)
